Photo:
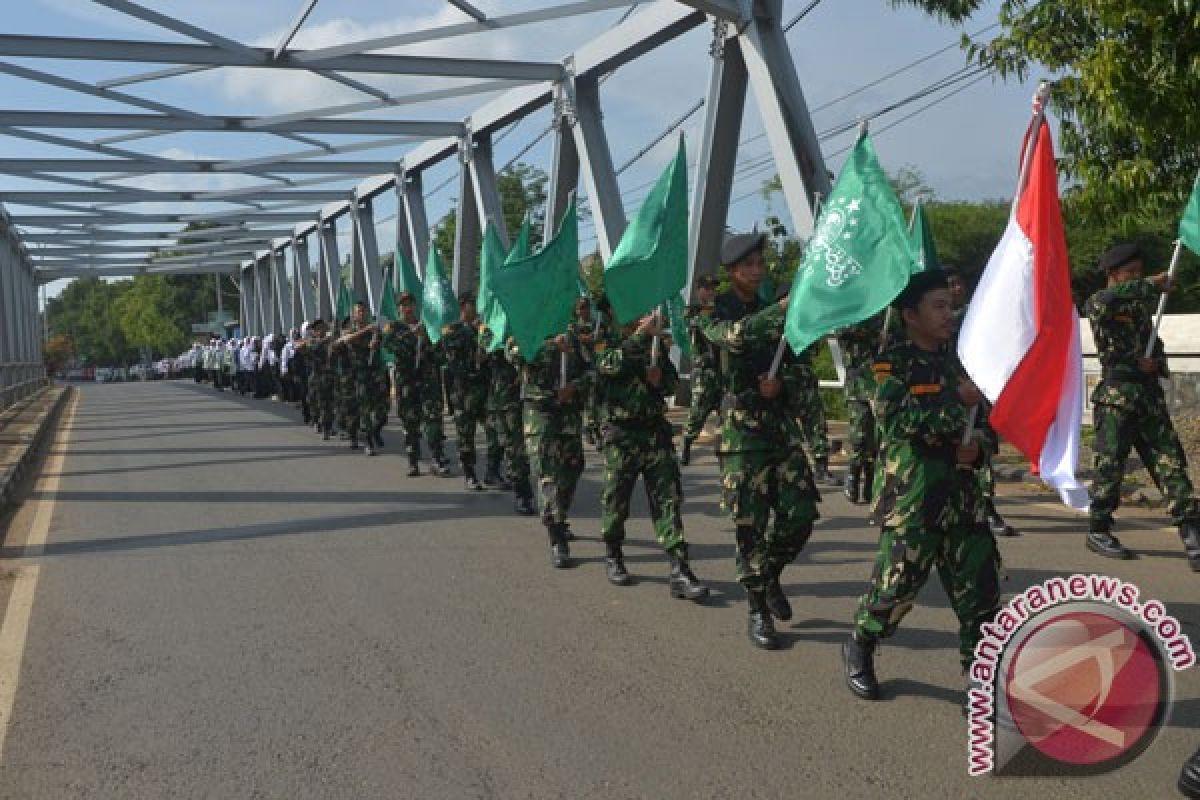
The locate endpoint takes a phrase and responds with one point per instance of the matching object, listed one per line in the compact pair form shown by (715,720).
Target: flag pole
(782,348)
(1162,300)
(562,369)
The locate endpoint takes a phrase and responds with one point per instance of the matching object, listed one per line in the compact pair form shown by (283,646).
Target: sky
(965,146)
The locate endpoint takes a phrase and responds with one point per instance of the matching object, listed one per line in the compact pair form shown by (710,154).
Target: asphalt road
(227,607)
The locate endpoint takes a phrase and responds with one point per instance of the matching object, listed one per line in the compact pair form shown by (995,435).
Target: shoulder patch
(925,388)
(1122,318)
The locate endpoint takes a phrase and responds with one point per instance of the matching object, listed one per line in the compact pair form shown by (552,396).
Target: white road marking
(20,603)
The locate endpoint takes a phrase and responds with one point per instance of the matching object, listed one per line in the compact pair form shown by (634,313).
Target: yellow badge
(925,388)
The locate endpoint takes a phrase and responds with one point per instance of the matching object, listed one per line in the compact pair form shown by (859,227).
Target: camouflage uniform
(763,466)
(598,330)
(1129,409)
(637,440)
(553,430)
(804,391)
(860,345)
(467,371)
(418,390)
(932,510)
(504,417)
(321,382)
(362,386)
(706,385)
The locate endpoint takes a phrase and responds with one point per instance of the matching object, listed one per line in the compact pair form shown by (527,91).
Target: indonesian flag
(1020,338)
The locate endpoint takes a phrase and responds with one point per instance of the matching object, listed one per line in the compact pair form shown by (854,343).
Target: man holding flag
(1129,408)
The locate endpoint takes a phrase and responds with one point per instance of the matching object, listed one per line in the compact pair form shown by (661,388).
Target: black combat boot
(858,657)
(354,441)
(1190,533)
(326,434)
(560,551)
(821,473)
(370,446)
(868,481)
(378,437)
(1107,545)
(614,565)
(777,601)
(853,488)
(759,626)
(414,468)
(469,480)
(523,498)
(996,523)
(1189,778)
(685,452)
(682,582)
(441,467)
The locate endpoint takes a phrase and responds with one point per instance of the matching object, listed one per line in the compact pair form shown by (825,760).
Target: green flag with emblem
(1189,225)
(388,312)
(439,307)
(538,291)
(650,262)
(922,239)
(859,258)
(344,303)
(407,279)
(491,259)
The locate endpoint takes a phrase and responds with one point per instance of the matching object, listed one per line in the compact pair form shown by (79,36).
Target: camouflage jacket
(541,380)
(417,361)
(704,354)
(504,380)
(860,347)
(465,358)
(358,357)
(922,419)
(747,347)
(320,363)
(626,404)
(1122,319)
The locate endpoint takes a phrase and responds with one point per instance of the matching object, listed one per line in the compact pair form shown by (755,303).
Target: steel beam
(283,293)
(331,273)
(789,128)
(467,228)
(302,277)
(480,164)
(414,214)
(130,167)
(723,113)
(564,167)
(599,176)
(90,120)
(208,55)
(367,272)
(121,196)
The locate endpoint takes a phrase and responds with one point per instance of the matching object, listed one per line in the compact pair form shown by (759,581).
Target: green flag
(387,303)
(679,326)
(491,258)
(922,239)
(860,256)
(650,262)
(439,307)
(520,246)
(1189,226)
(538,291)
(406,276)
(344,304)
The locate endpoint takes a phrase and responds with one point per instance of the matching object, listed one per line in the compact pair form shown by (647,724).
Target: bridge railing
(20,380)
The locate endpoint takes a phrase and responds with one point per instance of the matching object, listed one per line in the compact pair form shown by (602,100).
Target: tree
(57,352)
(153,315)
(1128,100)
(522,190)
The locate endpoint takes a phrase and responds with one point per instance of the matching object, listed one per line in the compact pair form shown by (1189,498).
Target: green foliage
(1128,99)
(522,190)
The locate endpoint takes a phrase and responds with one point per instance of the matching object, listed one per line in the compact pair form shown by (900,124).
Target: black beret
(405,297)
(466,296)
(740,245)
(1118,256)
(706,282)
(918,286)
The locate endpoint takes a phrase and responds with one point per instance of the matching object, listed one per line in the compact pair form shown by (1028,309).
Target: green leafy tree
(522,190)
(1128,98)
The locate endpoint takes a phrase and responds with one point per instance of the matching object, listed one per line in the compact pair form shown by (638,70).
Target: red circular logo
(1084,688)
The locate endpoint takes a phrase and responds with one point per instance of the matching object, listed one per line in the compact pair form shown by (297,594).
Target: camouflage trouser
(811,416)
(652,456)
(753,485)
(419,409)
(508,429)
(968,565)
(320,400)
(469,411)
(706,398)
(377,400)
(1148,430)
(349,403)
(557,460)
(491,434)
(864,442)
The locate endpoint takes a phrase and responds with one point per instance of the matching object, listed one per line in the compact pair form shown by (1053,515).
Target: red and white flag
(1020,338)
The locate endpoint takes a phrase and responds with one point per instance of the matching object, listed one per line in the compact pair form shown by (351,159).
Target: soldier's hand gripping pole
(1162,299)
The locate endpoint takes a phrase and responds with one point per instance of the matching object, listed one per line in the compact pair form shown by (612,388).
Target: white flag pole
(1162,300)
(562,370)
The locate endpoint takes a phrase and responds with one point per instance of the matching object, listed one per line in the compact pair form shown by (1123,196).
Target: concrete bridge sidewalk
(201,598)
